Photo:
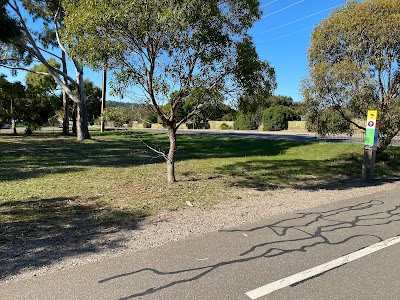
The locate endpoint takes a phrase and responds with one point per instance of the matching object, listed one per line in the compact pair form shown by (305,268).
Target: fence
(356,138)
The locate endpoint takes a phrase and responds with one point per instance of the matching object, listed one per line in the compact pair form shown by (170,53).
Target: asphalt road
(299,136)
(279,135)
(230,264)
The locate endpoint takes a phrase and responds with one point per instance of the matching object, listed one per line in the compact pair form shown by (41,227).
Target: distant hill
(111,103)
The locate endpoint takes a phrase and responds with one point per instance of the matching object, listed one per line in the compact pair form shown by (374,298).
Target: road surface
(346,250)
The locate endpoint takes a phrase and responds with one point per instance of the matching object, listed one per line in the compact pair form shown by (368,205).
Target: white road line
(285,282)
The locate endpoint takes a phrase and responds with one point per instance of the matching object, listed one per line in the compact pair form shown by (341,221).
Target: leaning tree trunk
(81,111)
(171,154)
(65,98)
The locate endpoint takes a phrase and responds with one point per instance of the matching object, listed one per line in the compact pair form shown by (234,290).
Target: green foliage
(354,66)
(230,116)
(150,119)
(186,54)
(12,96)
(225,126)
(245,121)
(43,99)
(9,28)
(42,84)
(279,101)
(326,122)
(93,100)
(117,115)
(202,45)
(256,77)
(35,43)
(276,118)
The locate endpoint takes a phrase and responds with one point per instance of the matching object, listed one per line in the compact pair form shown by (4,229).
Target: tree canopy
(197,50)
(354,61)
(24,44)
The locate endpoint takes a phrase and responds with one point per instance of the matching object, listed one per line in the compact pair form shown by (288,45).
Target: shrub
(230,116)
(150,119)
(276,118)
(245,122)
(328,121)
(225,126)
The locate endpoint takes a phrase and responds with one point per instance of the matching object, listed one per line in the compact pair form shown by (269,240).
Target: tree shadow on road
(39,232)
(298,233)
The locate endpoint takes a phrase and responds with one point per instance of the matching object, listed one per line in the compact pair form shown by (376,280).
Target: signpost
(370,145)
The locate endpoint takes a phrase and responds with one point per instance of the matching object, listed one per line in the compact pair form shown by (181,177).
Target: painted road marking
(285,282)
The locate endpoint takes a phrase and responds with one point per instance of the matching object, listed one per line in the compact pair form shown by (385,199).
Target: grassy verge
(48,181)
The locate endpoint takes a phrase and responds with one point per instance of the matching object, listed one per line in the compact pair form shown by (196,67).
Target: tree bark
(171,154)
(14,126)
(82,123)
(65,97)
(74,118)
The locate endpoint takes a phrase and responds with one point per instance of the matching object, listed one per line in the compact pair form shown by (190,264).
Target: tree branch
(162,153)
(24,69)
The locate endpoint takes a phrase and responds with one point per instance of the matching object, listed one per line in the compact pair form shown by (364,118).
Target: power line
(298,20)
(286,35)
(282,9)
(292,33)
(268,4)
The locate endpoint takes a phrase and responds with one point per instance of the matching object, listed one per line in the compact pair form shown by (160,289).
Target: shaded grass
(55,190)
(118,168)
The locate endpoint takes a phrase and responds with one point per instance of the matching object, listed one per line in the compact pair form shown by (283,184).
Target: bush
(150,119)
(245,122)
(276,118)
(225,126)
(231,116)
(28,130)
(328,121)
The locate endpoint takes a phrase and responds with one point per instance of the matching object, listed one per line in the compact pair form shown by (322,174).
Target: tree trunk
(13,123)
(74,105)
(14,126)
(171,154)
(65,98)
(82,123)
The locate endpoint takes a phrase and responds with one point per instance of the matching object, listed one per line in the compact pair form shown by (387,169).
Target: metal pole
(368,164)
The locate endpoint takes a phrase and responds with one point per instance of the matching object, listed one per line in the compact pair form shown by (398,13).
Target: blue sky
(282,37)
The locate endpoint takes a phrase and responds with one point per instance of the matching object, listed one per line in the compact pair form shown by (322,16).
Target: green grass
(49,181)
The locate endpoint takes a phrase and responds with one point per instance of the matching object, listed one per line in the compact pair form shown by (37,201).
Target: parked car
(6,126)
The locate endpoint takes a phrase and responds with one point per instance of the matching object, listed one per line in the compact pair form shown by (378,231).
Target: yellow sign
(372,115)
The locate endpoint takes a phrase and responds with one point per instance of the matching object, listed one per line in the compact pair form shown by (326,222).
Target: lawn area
(48,182)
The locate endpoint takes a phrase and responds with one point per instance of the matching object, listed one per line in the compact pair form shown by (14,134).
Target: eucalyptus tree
(354,65)
(188,49)
(12,94)
(42,96)
(29,44)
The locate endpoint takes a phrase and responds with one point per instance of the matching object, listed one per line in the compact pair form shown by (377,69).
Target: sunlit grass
(114,178)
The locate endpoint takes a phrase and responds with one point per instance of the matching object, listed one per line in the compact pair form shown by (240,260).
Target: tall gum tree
(354,65)
(171,50)
(29,45)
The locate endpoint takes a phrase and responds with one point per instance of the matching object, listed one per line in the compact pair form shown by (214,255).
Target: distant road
(278,135)
(298,136)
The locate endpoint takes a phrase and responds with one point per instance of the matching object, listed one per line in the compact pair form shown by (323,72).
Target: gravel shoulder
(168,227)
